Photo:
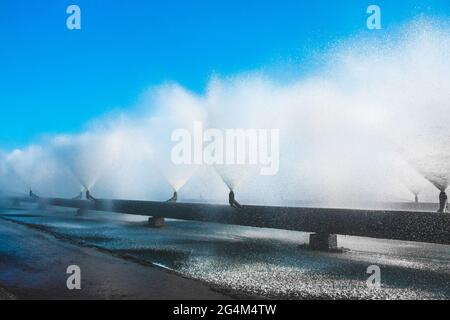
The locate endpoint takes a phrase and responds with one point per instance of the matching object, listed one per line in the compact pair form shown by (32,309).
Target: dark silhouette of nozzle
(89,197)
(443,201)
(33,196)
(232,201)
(174,197)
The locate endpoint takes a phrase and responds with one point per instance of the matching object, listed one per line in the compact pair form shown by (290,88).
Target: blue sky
(53,80)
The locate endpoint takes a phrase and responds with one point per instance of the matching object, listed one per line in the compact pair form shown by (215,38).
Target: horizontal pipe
(386,224)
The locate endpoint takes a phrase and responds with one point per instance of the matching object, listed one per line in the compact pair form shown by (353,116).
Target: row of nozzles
(231,198)
(443,199)
(78,197)
(88,196)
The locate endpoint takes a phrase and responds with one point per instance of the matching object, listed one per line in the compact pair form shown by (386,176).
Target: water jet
(78,197)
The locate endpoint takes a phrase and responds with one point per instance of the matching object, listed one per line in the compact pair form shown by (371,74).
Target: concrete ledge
(387,224)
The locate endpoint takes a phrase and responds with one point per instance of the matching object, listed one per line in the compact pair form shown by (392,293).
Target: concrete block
(323,242)
(156,222)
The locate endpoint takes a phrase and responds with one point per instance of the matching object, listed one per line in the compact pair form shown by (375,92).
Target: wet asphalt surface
(238,261)
(33,265)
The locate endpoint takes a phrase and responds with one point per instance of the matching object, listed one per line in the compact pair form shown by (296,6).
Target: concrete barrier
(387,224)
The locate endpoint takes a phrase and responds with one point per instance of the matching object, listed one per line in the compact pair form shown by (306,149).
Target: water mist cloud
(370,125)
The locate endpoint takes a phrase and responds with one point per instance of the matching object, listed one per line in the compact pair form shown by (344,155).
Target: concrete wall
(399,225)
